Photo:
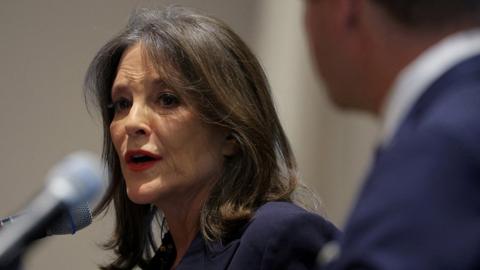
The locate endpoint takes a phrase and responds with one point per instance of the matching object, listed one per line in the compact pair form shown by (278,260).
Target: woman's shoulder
(281,222)
(282,234)
(280,216)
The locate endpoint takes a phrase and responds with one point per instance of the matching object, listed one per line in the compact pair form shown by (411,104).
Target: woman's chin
(138,196)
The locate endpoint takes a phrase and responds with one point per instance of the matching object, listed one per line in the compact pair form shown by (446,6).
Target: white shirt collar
(415,79)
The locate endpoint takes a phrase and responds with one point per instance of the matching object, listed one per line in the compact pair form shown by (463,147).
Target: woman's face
(167,154)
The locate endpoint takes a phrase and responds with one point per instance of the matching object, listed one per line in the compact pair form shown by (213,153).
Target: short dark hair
(213,69)
(431,13)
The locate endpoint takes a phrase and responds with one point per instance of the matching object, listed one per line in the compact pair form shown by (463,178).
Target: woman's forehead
(136,64)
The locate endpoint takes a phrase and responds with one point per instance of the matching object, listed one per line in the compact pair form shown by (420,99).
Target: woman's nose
(137,122)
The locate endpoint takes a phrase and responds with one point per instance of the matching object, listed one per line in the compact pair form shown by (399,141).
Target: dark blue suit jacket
(420,206)
(280,236)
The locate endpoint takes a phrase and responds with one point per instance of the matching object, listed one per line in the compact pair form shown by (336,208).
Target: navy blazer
(420,205)
(281,235)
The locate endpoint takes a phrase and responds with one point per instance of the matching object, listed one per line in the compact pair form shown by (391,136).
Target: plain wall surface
(45,49)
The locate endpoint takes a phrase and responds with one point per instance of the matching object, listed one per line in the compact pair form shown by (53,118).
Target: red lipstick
(141,160)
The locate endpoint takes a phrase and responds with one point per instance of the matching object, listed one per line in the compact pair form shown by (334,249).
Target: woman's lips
(140,160)
(140,166)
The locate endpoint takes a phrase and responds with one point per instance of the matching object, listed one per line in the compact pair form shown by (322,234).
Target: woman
(192,140)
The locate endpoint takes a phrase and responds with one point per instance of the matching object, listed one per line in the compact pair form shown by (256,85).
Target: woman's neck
(183,230)
(183,219)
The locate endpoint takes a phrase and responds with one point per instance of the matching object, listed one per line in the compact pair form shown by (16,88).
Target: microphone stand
(15,264)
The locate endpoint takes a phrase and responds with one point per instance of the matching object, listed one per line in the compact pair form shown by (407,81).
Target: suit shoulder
(452,119)
(456,108)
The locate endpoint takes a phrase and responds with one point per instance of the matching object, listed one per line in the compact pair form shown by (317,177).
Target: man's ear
(230,145)
(351,11)
(345,16)
(355,25)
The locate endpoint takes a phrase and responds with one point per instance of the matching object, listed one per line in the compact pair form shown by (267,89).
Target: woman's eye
(168,100)
(120,105)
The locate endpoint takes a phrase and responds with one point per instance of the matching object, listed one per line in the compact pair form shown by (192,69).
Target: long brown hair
(210,66)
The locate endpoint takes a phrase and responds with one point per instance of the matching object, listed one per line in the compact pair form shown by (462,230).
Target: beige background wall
(45,48)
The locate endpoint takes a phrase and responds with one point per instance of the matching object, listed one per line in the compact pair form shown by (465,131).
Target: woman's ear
(230,145)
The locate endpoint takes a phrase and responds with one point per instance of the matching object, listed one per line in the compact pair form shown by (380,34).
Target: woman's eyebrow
(119,88)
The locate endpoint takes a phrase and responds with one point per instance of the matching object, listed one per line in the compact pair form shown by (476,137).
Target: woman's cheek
(116,136)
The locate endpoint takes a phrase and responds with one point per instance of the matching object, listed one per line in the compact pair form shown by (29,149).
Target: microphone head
(72,221)
(78,178)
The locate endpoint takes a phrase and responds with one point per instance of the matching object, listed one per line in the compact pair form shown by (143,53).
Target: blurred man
(415,64)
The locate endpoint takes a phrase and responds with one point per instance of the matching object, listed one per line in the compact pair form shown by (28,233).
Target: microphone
(70,222)
(76,179)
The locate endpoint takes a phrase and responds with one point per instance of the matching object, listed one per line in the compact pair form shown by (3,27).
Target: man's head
(360,46)
(431,14)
